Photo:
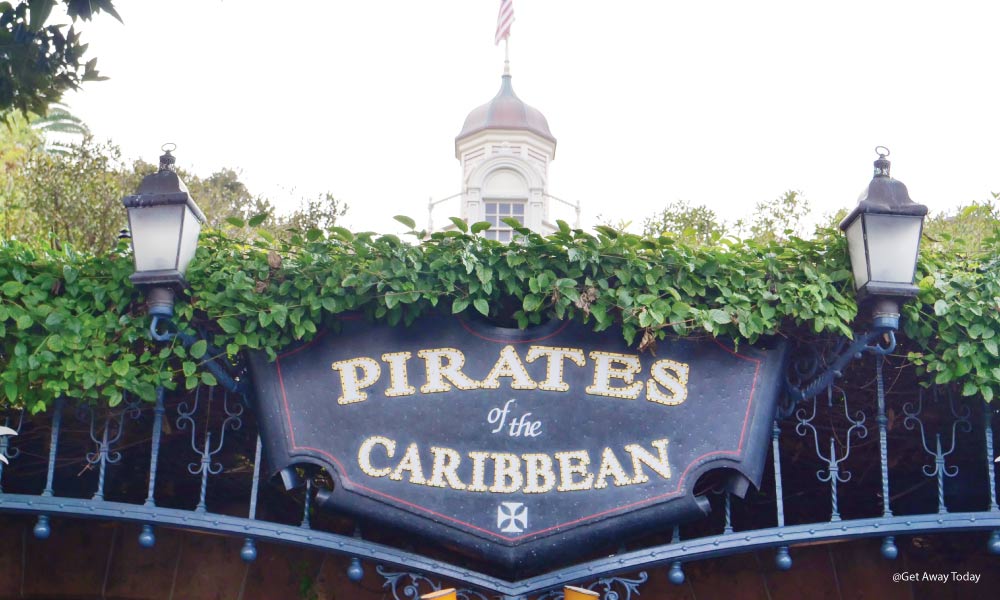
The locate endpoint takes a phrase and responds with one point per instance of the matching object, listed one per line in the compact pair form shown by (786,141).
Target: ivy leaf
(720,316)
(208,379)
(482,306)
(314,234)
(120,367)
(940,308)
(459,305)
(12,288)
(198,349)
(406,221)
(230,324)
(533,301)
(342,234)
(479,226)
(280,314)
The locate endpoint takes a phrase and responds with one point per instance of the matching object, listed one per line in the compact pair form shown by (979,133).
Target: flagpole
(506,56)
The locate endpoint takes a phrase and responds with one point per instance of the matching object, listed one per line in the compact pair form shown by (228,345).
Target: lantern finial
(167,159)
(881,164)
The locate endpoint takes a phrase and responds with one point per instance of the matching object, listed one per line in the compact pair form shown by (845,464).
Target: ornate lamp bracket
(161,331)
(869,342)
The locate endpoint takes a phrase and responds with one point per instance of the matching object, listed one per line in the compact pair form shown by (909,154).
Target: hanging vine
(72,324)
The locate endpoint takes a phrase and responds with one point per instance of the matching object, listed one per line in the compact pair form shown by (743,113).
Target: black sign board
(523,446)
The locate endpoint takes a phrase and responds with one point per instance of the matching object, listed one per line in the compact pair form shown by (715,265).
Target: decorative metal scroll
(204,448)
(414,585)
(959,422)
(111,428)
(8,452)
(833,474)
(610,588)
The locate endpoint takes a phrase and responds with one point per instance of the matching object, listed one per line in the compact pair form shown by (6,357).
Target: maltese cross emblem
(512,517)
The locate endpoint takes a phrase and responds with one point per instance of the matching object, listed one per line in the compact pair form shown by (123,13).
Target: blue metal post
(158,412)
(729,515)
(42,529)
(676,573)
(883,423)
(102,450)
(939,467)
(305,508)
(990,465)
(249,550)
(206,463)
(834,476)
(147,539)
(783,560)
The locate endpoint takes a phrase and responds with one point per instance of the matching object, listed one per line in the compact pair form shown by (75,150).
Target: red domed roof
(506,111)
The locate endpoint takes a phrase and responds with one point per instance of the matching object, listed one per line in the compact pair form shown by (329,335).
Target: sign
(523,446)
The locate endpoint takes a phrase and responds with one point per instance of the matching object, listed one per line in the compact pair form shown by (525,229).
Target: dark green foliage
(73,324)
(39,62)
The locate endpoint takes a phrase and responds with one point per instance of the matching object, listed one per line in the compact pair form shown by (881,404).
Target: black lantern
(164,222)
(883,237)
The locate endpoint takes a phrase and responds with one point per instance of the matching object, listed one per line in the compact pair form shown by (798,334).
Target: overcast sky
(717,103)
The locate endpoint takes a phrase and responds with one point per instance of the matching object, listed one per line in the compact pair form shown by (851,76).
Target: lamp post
(164,222)
(883,240)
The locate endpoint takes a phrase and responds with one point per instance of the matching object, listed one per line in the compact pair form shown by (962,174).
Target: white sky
(717,103)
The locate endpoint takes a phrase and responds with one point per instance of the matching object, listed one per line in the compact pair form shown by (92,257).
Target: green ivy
(73,325)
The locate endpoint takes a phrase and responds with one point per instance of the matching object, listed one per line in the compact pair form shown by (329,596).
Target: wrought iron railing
(930,469)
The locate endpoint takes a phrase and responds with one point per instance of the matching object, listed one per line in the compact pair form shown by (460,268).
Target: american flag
(504,19)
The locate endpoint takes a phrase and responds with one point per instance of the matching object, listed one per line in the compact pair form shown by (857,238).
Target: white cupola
(505,147)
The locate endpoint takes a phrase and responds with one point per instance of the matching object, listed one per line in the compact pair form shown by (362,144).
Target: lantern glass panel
(156,231)
(893,243)
(189,239)
(856,247)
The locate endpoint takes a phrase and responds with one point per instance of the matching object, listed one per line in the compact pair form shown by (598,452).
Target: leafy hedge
(73,325)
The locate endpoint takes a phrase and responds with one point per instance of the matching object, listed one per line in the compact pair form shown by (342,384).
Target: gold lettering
(399,381)
(641,456)
(411,463)
(478,471)
(556,357)
(604,372)
(445,470)
(538,473)
(507,477)
(568,468)
(673,376)
(441,364)
(610,467)
(509,365)
(350,384)
(365,455)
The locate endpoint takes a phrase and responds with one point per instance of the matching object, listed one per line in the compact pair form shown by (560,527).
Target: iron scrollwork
(960,422)
(185,421)
(112,429)
(410,584)
(610,588)
(833,473)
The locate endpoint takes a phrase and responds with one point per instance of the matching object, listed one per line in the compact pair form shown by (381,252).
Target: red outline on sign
(680,483)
